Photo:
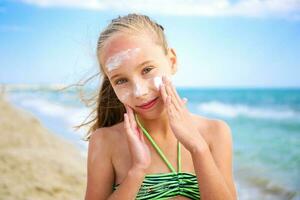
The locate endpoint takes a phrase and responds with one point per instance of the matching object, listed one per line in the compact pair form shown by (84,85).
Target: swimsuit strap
(179,156)
(159,151)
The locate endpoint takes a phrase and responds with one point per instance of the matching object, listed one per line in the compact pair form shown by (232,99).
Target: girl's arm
(214,168)
(100,176)
(130,186)
(141,159)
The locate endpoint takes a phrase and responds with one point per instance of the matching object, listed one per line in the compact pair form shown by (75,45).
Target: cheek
(140,88)
(157,81)
(123,95)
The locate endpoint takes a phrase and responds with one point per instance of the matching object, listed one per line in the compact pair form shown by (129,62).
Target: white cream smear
(115,61)
(139,89)
(157,82)
(123,95)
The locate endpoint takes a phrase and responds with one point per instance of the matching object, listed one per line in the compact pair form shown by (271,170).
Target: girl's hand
(140,153)
(181,121)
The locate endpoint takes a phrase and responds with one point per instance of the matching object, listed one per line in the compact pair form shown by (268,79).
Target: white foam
(72,115)
(231,110)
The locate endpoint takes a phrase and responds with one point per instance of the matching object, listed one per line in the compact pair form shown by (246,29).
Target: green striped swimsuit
(167,185)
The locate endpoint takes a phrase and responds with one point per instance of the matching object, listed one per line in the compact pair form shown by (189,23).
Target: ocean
(265,125)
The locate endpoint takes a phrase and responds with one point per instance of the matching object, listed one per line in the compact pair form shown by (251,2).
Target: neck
(158,127)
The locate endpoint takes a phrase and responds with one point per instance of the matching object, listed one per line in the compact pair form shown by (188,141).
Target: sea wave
(71,114)
(236,110)
(262,188)
(32,87)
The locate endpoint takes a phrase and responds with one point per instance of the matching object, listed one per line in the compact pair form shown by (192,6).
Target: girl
(144,143)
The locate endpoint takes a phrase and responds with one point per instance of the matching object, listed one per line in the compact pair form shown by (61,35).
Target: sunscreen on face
(123,95)
(116,60)
(157,81)
(140,89)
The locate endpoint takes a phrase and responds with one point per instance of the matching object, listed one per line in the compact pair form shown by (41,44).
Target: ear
(173,60)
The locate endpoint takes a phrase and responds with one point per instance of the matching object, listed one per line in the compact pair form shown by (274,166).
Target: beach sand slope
(34,163)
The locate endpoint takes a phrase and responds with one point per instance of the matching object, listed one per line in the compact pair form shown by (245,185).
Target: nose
(140,89)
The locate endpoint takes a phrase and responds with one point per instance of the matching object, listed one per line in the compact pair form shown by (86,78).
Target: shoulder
(100,176)
(221,133)
(220,129)
(218,134)
(215,131)
(106,137)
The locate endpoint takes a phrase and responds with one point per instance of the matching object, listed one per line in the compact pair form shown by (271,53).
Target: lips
(148,104)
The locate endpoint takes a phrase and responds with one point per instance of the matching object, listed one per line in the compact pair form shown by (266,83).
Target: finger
(141,135)
(131,118)
(170,107)
(164,79)
(139,130)
(138,133)
(169,89)
(143,138)
(174,93)
(127,125)
(163,92)
(173,98)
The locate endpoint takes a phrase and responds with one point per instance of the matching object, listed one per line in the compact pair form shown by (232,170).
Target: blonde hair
(109,110)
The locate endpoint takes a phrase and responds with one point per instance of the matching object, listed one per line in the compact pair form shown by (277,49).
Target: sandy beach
(34,163)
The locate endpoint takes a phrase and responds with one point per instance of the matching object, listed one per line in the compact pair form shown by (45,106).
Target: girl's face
(135,66)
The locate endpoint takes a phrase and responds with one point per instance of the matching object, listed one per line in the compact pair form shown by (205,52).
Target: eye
(147,69)
(120,81)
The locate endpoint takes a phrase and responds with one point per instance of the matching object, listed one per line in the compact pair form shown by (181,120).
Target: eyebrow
(143,63)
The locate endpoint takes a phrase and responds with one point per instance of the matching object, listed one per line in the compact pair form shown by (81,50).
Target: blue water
(265,125)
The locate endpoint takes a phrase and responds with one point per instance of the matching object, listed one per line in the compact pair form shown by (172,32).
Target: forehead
(124,42)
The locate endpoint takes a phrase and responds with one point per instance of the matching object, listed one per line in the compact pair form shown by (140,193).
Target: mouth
(149,104)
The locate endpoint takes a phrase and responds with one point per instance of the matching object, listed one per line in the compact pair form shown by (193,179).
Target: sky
(219,43)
